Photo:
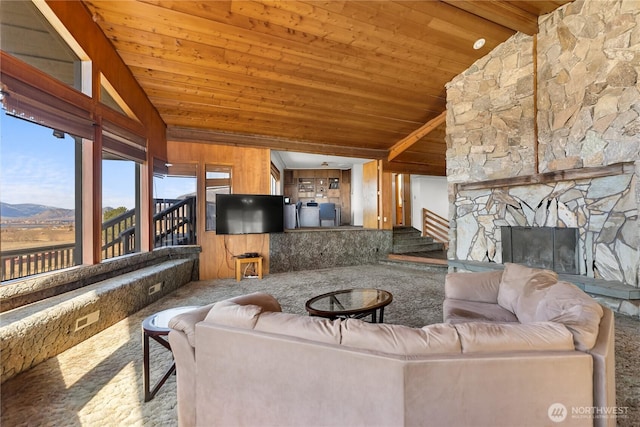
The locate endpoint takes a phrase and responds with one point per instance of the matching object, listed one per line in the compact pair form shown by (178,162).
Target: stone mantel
(551,177)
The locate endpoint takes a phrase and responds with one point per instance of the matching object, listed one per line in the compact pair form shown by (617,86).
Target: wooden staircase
(412,249)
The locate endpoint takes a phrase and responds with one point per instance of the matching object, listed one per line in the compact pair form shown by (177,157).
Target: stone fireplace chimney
(544,131)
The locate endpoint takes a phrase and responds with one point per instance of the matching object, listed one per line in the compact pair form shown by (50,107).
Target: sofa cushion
(455,311)
(482,287)
(400,340)
(186,322)
(307,327)
(518,281)
(483,337)
(229,313)
(565,303)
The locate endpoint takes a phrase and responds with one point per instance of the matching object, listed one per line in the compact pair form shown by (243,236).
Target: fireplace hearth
(552,248)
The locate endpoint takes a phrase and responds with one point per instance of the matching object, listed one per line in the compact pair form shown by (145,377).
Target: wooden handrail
(435,226)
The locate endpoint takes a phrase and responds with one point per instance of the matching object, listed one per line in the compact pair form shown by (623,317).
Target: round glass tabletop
(159,322)
(348,302)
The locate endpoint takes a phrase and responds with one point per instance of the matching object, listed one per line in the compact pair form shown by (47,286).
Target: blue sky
(36,167)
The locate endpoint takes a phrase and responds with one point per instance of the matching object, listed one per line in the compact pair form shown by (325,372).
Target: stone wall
(588,93)
(490,115)
(311,250)
(587,118)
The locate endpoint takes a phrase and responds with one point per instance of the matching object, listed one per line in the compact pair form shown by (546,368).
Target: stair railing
(176,225)
(435,226)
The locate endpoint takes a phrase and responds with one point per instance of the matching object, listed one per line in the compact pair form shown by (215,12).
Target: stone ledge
(27,290)
(590,285)
(36,332)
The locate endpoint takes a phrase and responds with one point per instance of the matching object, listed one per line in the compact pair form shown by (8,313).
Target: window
(217,181)
(28,36)
(174,200)
(41,206)
(120,206)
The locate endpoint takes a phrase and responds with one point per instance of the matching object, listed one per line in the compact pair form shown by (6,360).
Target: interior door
(370,193)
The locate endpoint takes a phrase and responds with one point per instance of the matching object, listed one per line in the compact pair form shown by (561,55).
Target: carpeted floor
(99,382)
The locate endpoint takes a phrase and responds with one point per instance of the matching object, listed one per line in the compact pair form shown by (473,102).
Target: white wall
(428,192)
(277,161)
(357,197)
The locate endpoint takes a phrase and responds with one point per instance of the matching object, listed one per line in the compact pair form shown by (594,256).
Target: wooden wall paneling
(250,175)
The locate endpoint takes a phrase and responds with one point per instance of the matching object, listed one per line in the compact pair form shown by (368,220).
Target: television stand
(241,260)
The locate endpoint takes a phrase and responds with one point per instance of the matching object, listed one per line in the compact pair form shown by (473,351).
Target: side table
(239,261)
(156,326)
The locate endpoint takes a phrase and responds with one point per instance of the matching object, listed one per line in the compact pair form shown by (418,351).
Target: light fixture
(58,134)
(324,164)
(479,43)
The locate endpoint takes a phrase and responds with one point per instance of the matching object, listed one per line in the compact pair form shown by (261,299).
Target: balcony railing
(174,224)
(25,262)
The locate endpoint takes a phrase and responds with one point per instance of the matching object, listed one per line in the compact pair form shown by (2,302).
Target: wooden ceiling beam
(183,134)
(416,135)
(414,169)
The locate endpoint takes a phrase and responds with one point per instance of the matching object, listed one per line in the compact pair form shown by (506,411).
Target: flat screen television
(249,214)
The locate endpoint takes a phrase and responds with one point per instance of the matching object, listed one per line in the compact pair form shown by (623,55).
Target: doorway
(402,199)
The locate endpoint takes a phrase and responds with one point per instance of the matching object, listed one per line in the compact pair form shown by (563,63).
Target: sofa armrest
(604,368)
(185,358)
(477,286)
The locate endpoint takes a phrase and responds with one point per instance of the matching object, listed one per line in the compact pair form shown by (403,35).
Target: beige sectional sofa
(244,362)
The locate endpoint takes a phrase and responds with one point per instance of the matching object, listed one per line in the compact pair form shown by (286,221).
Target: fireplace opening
(552,248)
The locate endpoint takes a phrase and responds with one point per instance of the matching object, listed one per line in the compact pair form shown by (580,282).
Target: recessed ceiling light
(479,43)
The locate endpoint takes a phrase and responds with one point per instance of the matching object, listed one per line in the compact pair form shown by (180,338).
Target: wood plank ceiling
(347,78)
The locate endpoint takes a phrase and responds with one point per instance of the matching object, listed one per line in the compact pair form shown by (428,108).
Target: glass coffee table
(351,303)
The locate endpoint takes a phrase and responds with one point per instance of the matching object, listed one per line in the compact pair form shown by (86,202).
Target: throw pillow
(521,281)
(565,303)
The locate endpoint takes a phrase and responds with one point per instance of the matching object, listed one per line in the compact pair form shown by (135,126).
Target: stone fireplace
(544,131)
(602,210)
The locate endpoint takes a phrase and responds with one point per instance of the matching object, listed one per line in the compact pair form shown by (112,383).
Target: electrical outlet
(89,319)
(155,288)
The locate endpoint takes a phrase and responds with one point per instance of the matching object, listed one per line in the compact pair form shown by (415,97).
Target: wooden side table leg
(145,367)
(238,269)
(260,268)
